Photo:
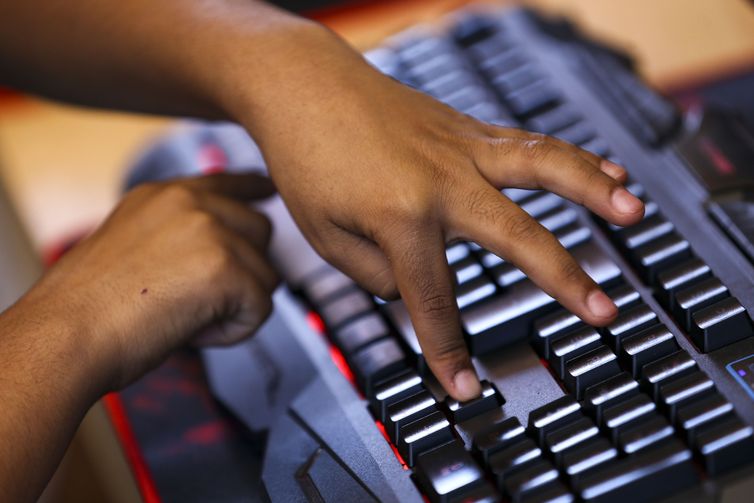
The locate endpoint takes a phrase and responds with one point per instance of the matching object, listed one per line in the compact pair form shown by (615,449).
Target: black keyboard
(657,405)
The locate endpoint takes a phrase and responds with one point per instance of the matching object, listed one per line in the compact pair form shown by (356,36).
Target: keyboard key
(573,235)
(506,274)
(644,434)
(541,203)
(720,324)
(617,418)
(484,493)
(348,306)
(552,120)
(530,478)
(496,437)
(596,451)
(507,318)
(392,390)
(360,332)
(627,323)
(644,232)
(512,457)
(377,362)
(407,410)
(691,299)
(474,290)
(466,269)
(567,437)
(660,254)
(398,316)
(510,81)
(681,390)
(577,133)
(457,252)
(326,284)
(571,345)
(447,473)
(531,98)
(660,471)
(489,399)
(659,372)
(554,415)
(645,347)
(706,410)
(725,445)
(489,259)
(597,146)
(558,218)
(608,393)
(679,277)
(422,435)
(589,369)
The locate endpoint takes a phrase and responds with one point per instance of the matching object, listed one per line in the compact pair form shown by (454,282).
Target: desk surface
(63,166)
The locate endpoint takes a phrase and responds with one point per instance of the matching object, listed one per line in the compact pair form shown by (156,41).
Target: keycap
(589,369)
(392,390)
(645,347)
(474,290)
(665,369)
(691,299)
(558,218)
(506,274)
(511,458)
(659,471)
(376,362)
(359,332)
(528,99)
(484,493)
(555,414)
(706,410)
(541,203)
(506,318)
(507,82)
(466,269)
(343,308)
(617,418)
(553,119)
(422,435)
(554,492)
(520,195)
(488,400)
(398,316)
(456,252)
(496,437)
(720,324)
(608,393)
(326,284)
(567,437)
(447,472)
(587,456)
(547,328)
(489,259)
(725,445)
(597,146)
(571,345)
(627,323)
(577,133)
(573,235)
(682,389)
(407,410)
(659,254)
(644,232)
(644,434)
(676,278)
(529,478)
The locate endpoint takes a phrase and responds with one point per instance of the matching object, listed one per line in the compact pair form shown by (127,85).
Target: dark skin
(368,167)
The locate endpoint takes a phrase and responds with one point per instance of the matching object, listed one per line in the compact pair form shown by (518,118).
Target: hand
(381,178)
(174,263)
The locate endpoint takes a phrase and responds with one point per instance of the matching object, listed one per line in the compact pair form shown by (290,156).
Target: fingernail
(611,169)
(625,202)
(466,384)
(601,305)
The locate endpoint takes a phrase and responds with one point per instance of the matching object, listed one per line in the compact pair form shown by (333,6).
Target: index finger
(426,286)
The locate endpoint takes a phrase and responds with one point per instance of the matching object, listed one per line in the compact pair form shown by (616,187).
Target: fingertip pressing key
(601,306)
(625,202)
(467,385)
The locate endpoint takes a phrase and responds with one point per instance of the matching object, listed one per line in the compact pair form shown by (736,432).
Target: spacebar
(507,318)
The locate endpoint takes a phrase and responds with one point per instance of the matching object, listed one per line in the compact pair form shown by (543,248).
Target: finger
(254,306)
(253,262)
(364,262)
(252,225)
(611,169)
(426,287)
(496,223)
(243,186)
(542,164)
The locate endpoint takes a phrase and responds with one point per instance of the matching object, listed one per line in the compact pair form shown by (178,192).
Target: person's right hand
(381,178)
(176,263)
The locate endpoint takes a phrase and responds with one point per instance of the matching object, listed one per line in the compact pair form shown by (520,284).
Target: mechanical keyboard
(659,405)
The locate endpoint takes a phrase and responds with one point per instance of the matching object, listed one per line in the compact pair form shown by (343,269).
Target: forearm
(167,57)
(47,387)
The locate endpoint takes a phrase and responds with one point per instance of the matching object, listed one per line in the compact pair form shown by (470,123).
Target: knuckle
(437,306)
(178,195)
(518,227)
(571,271)
(535,149)
(481,207)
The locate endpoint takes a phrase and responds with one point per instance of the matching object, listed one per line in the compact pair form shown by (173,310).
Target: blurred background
(64,166)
